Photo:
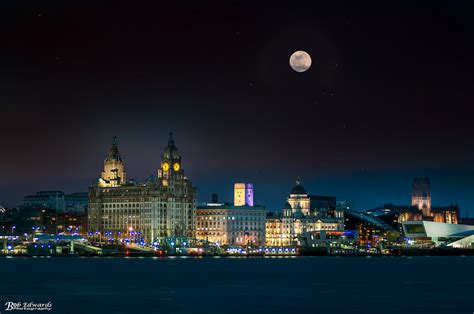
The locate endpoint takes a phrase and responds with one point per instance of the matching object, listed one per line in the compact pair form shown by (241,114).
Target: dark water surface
(241,285)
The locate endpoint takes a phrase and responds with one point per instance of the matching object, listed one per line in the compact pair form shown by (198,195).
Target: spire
(114,140)
(298,181)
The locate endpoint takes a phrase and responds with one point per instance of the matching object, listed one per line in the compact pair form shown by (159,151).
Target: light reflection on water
(236,285)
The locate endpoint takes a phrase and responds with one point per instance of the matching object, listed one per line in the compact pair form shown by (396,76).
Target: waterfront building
(231,224)
(72,223)
(36,219)
(161,207)
(302,213)
(425,233)
(328,239)
(371,229)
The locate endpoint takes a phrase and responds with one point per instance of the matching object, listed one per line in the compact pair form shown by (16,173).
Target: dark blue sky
(388,97)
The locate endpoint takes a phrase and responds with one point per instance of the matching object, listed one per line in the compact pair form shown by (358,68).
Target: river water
(241,285)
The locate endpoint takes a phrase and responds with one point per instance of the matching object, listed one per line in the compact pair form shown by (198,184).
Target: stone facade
(228,224)
(143,212)
(302,213)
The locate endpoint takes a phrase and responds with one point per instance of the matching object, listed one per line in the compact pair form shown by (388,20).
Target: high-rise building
(142,212)
(421,195)
(243,194)
(249,194)
(239,194)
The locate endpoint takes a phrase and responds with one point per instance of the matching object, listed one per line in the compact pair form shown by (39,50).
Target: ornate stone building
(142,212)
(114,168)
(303,213)
(421,198)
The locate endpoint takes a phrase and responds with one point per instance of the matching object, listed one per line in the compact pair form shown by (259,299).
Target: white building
(420,232)
(241,223)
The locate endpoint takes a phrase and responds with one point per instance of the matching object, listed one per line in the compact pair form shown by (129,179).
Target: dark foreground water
(241,285)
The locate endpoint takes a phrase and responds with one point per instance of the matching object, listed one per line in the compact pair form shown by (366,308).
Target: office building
(142,212)
(302,213)
(231,224)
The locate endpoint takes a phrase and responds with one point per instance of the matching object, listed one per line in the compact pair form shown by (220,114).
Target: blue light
(185,243)
(172,243)
(9,247)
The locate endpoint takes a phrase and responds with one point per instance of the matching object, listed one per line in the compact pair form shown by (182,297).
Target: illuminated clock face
(176,166)
(166,166)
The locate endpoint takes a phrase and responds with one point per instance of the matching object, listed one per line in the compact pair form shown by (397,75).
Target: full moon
(300,61)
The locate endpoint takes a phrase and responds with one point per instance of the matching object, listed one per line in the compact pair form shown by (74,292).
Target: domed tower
(299,199)
(170,168)
(114,168)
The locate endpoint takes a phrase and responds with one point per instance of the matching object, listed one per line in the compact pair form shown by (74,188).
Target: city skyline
(237,156)
(382,103)
(225,193)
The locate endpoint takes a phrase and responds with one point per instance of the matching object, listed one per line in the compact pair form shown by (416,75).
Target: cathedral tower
(421,195)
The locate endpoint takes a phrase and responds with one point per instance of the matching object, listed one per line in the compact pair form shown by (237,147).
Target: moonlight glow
(300,61)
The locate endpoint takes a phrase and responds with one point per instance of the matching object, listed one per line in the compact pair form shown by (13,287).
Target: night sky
(388,96)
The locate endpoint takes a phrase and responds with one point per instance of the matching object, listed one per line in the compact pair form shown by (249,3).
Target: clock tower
(178,196)
(170,167)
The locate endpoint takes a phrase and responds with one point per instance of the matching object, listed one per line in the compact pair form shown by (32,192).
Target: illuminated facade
(437,233)
(231,224)
(302,213)
(243,194)
(161,207)
(239,194)
(447,214)
(114,168)
(421,195)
